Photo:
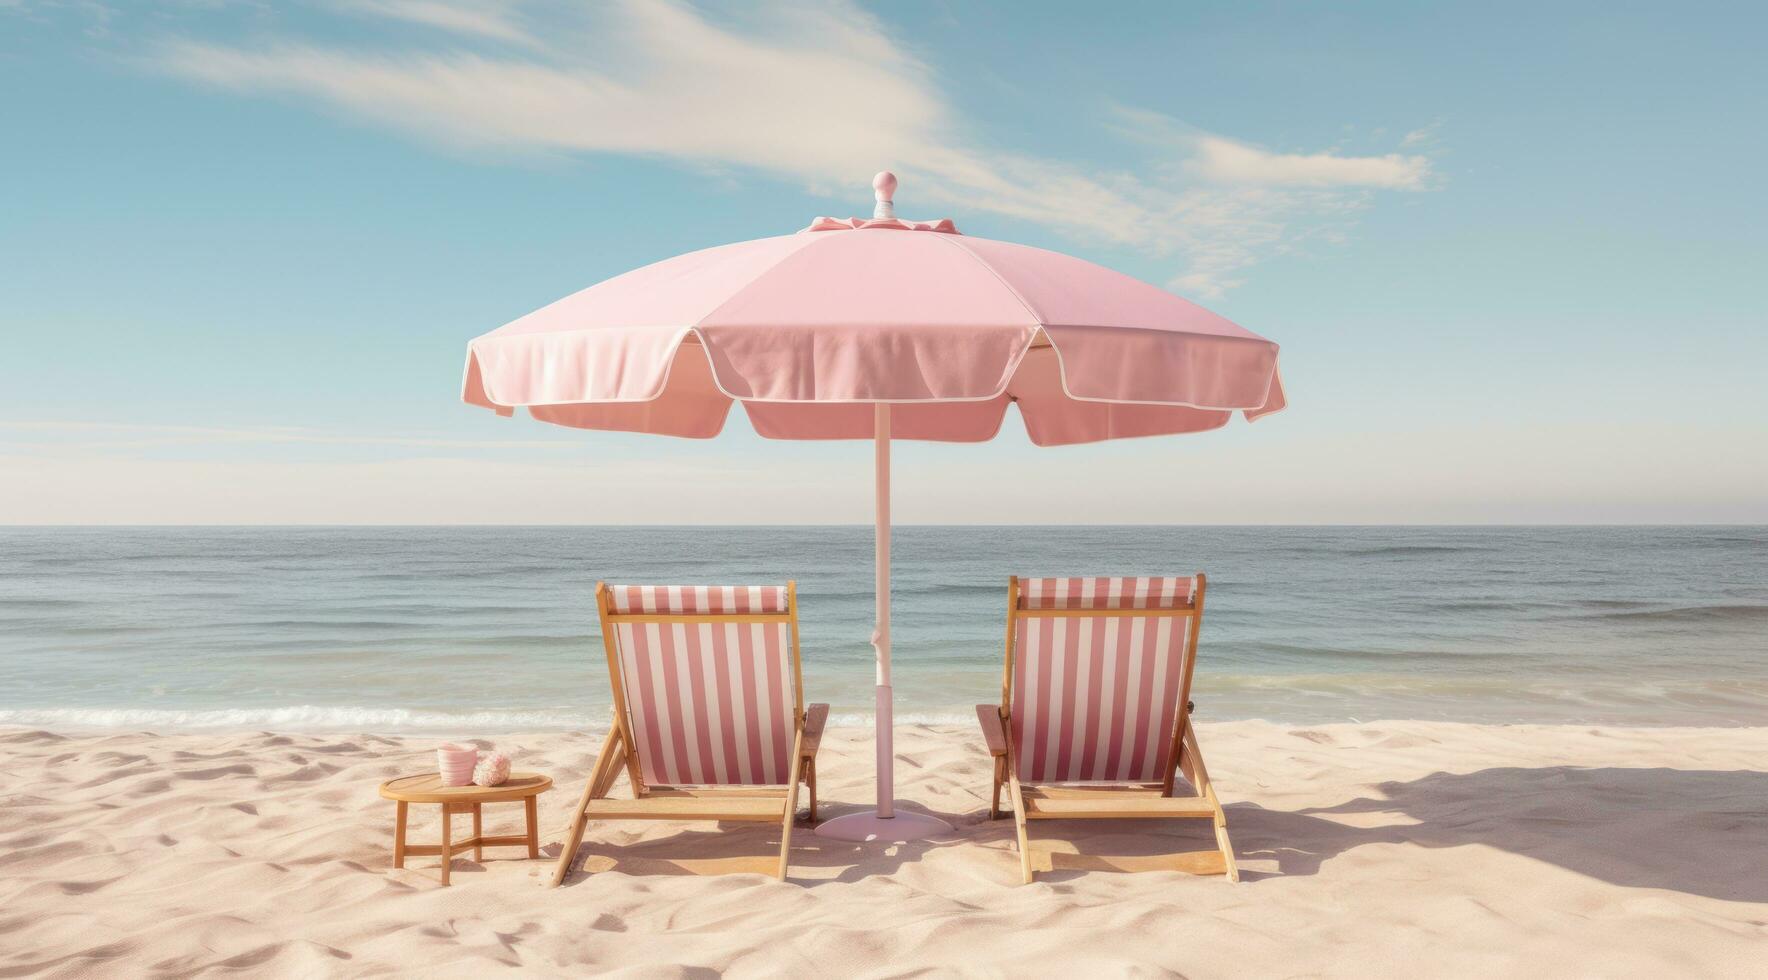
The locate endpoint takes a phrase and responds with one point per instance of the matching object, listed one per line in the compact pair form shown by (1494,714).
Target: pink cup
(455,764)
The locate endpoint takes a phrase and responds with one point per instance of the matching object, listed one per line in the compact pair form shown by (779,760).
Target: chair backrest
(1097,669)
(706,679)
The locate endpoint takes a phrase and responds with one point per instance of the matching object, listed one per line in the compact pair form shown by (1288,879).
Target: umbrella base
(906,825)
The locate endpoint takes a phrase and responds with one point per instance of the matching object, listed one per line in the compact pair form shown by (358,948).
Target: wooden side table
(428,788)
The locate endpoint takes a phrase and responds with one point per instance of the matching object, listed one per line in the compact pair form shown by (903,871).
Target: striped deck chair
(1090,722)
(709,716)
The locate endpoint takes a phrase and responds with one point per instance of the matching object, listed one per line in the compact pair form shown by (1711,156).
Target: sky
(1516,255)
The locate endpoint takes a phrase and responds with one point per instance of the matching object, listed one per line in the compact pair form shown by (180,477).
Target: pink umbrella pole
(881,598)
(884,823)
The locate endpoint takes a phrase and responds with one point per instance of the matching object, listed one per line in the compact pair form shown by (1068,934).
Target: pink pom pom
(493,769)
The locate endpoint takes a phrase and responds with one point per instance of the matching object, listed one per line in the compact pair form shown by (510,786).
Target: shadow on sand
(1702,832)
(1695,831)
(754,847)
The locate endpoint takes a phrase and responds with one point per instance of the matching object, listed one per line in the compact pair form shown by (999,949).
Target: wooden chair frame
(1109,800)
(736,803)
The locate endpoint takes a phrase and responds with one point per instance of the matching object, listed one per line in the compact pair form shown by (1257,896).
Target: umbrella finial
(883,187)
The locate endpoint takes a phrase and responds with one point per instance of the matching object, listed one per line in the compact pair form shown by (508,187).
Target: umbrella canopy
(877,329)
(811,329)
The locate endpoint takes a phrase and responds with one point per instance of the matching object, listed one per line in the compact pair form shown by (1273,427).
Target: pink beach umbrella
(877,329)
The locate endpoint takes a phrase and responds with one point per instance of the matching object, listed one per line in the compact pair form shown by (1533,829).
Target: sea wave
(898,591)
(1685,614)
(1414,549)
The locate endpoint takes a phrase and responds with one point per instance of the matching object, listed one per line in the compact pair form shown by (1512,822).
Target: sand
(1386,849)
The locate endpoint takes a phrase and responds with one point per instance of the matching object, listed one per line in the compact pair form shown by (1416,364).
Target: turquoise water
(444,629)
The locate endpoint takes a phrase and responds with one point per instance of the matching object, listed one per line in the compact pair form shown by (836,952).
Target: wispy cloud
(1422,137)
(490,20)
(1227,161)
(820,93)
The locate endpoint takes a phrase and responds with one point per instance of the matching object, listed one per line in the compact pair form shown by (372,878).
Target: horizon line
(1468,524)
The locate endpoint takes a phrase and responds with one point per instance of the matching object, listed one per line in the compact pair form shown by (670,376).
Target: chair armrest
(815,717)
(993,732)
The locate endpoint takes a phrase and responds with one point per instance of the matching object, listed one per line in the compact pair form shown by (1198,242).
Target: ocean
(469,630)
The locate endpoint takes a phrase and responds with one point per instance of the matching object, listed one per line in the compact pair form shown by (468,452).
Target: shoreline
(1364,848)
(856,722)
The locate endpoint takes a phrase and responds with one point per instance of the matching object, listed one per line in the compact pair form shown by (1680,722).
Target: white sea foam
(865,719)
(302,717)
(310,717)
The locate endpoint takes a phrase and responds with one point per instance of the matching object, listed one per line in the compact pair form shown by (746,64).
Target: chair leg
(786,831)
(1226,846)
(1191,758)
(568,853)
(791,806)
(994,802)
(1018,800)
(810,782)
(605,765)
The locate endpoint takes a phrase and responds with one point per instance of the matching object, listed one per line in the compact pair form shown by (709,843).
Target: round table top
(427,788)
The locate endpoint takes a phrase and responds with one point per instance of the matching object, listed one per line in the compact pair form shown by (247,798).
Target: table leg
(399,837)
(447,844)
(533,838)
(478,832)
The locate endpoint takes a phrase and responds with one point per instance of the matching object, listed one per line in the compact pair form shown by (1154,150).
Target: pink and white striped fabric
(710,702)
(1094,698)
(698,598)
(1105,593)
